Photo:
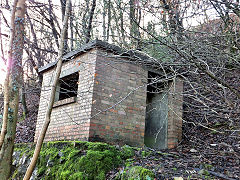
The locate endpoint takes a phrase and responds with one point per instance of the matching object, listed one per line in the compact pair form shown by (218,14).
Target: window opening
(68,86)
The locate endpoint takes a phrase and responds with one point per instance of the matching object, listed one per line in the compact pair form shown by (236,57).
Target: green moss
(127,152)
(146,153)
(65,174)
(57,160)
(146,174)
(14,174)
(138,172)
(214,132)
(204,172)
(57,144)
(78,176)
(68,153)
(149,141)
(76,160)
(162,154)
(98,163)
(167,154)
(129,162)
(84,160)
(24,148)
(98,146)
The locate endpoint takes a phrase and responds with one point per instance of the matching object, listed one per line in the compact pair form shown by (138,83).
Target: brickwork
(111,102)
(175,101)
(119,101)
(70,121)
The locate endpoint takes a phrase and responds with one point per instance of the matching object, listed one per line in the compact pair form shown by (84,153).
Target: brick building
(107,94)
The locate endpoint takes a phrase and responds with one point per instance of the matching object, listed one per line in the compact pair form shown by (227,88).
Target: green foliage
(127,152)
(129,162)
(146,153)
(78,176)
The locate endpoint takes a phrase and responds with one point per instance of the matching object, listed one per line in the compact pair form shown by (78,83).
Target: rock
(16,157)
(61,160)
(50,163)
(23,159)
(213,145)
(193,150)
(34,174)
(60,154)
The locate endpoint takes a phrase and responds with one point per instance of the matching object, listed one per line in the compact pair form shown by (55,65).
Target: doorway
(156,113)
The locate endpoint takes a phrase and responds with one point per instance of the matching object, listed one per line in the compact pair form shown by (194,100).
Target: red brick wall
(118,112)
(175,100)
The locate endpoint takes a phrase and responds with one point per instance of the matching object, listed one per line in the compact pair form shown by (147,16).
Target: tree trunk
(63,6)
(89,28)
(51,101)
(122,23)
(175,21)
(85,19)
(37,52)
(104,20)
(6,83)
(109,19)
(71,28)
(12,92)
(135,17)
(54,30)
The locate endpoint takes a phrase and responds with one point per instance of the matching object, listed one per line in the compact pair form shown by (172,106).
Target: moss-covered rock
(97,163)
(72,160)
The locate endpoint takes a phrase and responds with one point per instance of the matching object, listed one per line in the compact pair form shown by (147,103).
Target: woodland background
(197,39)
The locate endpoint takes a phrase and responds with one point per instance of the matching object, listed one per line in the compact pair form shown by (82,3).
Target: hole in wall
(68,86)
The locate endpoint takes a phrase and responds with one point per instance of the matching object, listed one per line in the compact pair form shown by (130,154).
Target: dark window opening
(68,86)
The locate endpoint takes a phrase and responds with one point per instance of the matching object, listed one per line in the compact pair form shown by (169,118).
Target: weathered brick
(110,105)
